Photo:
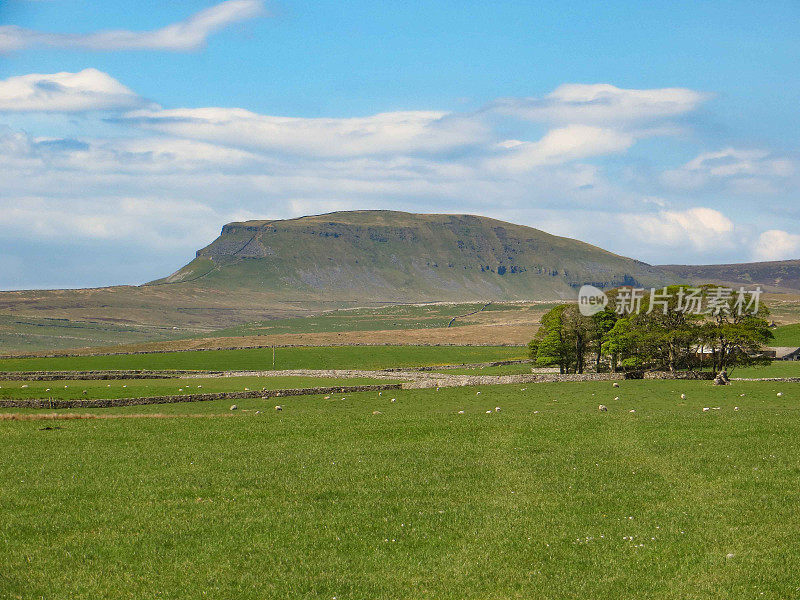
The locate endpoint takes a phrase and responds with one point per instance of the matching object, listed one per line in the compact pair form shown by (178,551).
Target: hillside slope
(783,275)
(387,256)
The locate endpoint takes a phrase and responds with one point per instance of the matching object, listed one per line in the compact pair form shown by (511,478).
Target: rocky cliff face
(391,256)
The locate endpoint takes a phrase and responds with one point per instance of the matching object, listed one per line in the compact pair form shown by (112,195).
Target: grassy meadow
(319,357)
(548,498)
(786,335)
(136,388)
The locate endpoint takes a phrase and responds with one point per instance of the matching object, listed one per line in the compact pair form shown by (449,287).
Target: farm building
(783,353)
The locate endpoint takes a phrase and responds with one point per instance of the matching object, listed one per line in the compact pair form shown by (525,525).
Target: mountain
(388,256)
(779,276)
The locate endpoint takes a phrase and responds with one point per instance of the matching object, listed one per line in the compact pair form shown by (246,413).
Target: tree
(736,330)
(549,347)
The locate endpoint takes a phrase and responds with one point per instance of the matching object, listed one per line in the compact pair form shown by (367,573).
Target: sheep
(602,408)
(497,409)
(615,384)
(393,400)
(633,410)
(735,408)
(683,396)
(234,407)
(278,407)
(461,412)
(376,412)
(780,394)
(705,409)
(488,412)
(26,385)
(616,398)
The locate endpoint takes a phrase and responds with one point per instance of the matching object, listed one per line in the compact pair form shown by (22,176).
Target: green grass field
(331,357)
(787,335)
(548,498)
(136,388)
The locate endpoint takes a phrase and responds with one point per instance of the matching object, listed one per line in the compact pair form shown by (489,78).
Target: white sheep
(705,409)
(461,412)
(278,407)
(780,394)
(602,408)
(234,407)
(497,409)
(615,384)
(683,396)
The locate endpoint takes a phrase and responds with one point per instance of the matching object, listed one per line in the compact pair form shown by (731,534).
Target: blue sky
(131,132)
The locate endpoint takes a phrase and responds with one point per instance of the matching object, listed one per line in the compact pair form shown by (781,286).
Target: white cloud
(736,170)
(163,223)
(385,133)
(776,244)
(701,229)
(188,34)
(602,104)
(559,146)
(86,90)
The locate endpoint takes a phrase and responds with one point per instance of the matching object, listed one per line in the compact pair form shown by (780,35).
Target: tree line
(719,333)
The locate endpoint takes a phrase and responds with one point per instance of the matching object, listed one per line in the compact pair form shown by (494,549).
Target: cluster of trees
(666,331)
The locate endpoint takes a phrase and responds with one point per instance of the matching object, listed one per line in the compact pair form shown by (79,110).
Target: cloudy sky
(130,132)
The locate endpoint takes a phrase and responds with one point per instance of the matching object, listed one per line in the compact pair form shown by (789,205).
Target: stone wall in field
(96,375)
(264,394)
(684,375)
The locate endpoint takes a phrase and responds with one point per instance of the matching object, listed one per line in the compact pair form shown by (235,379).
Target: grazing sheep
(616,398)
(26,385)
(488,412)
(461,412)
(497,409)
(683,396)
(84,392)
(278,407)
(394,400)
(633,410)
(615,384)
(376,412)
(380,393)
(735,408)
(477,393)
(258,412)
(327,398)
(780,394)
(705,409)
(602,408)
(234,407)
